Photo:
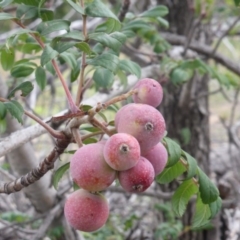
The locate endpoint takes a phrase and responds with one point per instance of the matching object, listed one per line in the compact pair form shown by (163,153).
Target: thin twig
(225,34)
(36,173)
(53,132)
(77,137)
(83,62)
(124,9)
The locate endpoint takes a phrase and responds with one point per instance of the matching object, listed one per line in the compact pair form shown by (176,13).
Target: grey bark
(22,160)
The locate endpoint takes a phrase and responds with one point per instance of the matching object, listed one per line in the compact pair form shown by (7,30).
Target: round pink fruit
(138,178)
(121,151)
(86,211)
(149,91)
(89,170)
(158,157)
(143,122)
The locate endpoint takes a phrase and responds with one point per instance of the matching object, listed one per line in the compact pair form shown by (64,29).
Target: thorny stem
(71,103)
(83,63)
(53,132)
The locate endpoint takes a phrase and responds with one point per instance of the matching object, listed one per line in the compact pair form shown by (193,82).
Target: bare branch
(36,173)
(203,49)
(124,10)
(225,34)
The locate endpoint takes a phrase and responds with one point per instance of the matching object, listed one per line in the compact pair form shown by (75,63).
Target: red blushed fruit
(89,169)
(143,122)
(86,211)
(149,91)
(121,151)
(138,178)
(158,157)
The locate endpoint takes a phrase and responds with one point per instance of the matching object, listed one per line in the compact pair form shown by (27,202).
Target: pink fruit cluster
(134,155)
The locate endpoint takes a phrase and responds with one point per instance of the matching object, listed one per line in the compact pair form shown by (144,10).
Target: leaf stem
(73,108)
(83,63)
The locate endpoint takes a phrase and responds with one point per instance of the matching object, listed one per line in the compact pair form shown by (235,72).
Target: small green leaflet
(59,173)
(98,9)
(15,109)
(113,41)
(25,87)
(182,196)
(192,165)
(77,7)
(174,151)
(103,77)
(51,26)
(22,69)
(84,47)
(70,59)
(26,12)
(170,173)
(180,75)
(215,207)
(6,16)
(202,214)
(41,77)
(208,191)
(7,58)
(47,55)
(106,60)
(5,3)
(159,11)
(237,2)
(3,110)
(130,67)
(111,25)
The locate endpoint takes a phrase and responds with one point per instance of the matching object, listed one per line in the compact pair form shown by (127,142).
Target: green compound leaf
(59,173)
(103,77)
(192,165)
(215,207)
(182,196)
(47,55)
(159,11)
(202,214)
(170,173)
(98,9)
(174,151)
(25,87)
(208,191)
(130,67)
(15,109)
(7,58)
(41,77)
(6,16)
(106,60)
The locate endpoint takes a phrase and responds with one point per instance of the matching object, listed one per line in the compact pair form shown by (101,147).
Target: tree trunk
(186,111)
